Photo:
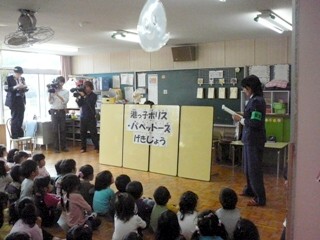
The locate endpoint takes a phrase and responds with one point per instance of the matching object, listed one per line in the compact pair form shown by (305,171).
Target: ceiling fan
(27,33)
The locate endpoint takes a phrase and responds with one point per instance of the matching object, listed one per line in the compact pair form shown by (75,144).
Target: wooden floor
(269,219)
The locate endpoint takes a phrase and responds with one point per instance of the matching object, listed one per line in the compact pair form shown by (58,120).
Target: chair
(29,138)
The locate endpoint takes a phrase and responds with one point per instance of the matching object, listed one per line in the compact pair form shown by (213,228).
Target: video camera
(53,86)
(76,91)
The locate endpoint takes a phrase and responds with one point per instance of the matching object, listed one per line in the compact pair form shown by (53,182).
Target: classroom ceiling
(88,24)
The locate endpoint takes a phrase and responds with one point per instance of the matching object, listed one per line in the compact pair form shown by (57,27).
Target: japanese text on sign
(149,126)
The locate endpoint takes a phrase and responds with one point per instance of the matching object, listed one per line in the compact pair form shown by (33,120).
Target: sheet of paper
(128,94)
(211,93)
(233,93)
(216,74)
(281,72)
(153,88)
(262,72)
(222,93)
(115,81)
(127,79)
(200,93)
(142,79)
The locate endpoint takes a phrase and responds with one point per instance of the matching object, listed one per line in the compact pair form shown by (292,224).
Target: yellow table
(278,146)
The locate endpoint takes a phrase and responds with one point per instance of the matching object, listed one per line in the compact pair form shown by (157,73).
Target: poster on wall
(150,126)
(153,88)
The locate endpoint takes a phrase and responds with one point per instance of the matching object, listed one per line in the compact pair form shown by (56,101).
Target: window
(39,70)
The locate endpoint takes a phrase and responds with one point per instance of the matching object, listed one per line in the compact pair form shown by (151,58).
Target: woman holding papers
(253,138)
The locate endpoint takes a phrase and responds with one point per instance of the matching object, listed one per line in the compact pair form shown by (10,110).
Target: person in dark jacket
(88,122)
(15,86)
(253,138)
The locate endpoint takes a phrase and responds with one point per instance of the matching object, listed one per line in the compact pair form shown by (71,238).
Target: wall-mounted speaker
(184,53)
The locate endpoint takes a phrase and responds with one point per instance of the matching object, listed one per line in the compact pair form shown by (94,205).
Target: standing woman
(87,102)
(15,86)
(253,138)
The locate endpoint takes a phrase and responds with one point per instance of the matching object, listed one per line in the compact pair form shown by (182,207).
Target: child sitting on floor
(103,193)
(40,159)
(86,188)
(125,219)
(229,215)
(161,197)
(78,211)
(47,203)
(188,214)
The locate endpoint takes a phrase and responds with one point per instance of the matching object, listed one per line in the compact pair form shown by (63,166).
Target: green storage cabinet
(278,126)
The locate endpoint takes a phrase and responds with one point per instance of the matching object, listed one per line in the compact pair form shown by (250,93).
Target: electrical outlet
(165,91)
(200,81)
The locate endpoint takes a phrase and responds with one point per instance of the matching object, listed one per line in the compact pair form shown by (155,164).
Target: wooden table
(278,146)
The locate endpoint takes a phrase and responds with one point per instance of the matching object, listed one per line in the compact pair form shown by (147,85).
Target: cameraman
(87,103)
(58,101)
(16,87)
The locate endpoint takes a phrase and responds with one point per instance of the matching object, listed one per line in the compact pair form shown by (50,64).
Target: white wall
(234,53)
(305,210)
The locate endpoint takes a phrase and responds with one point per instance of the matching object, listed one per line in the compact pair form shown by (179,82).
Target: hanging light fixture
(273,21)
(126,36)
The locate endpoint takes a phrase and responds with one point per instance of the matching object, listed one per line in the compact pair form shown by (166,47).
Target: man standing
(58,101)
(16,87)
(88,122)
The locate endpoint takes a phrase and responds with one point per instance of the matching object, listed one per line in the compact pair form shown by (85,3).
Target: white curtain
(65,66)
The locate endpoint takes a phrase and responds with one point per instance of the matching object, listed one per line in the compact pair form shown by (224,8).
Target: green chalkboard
(182,85)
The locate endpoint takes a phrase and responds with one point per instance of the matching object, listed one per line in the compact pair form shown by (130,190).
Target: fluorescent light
(54,47)
(267,24)
(271,20)
(126,36)
(281,22)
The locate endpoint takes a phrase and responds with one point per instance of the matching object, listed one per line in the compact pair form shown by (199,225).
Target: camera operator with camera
(58,98)
(86,100)
(15,86)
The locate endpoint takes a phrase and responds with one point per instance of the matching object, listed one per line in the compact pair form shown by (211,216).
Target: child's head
(68,166)
(246,229)
(11,154)
(70,183)
(39,158)
(79,232)
(122,182)
(3,168)
(161,196)
(18,236)
(86,172)
(57,167)
(103,180)
(27,211)
(168,226)
(188,203)
(124,205)
(135,189)
(3,151)
(42,185)
(209,224)
(20,157)
(29,169)
(15,174)
(228,198)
